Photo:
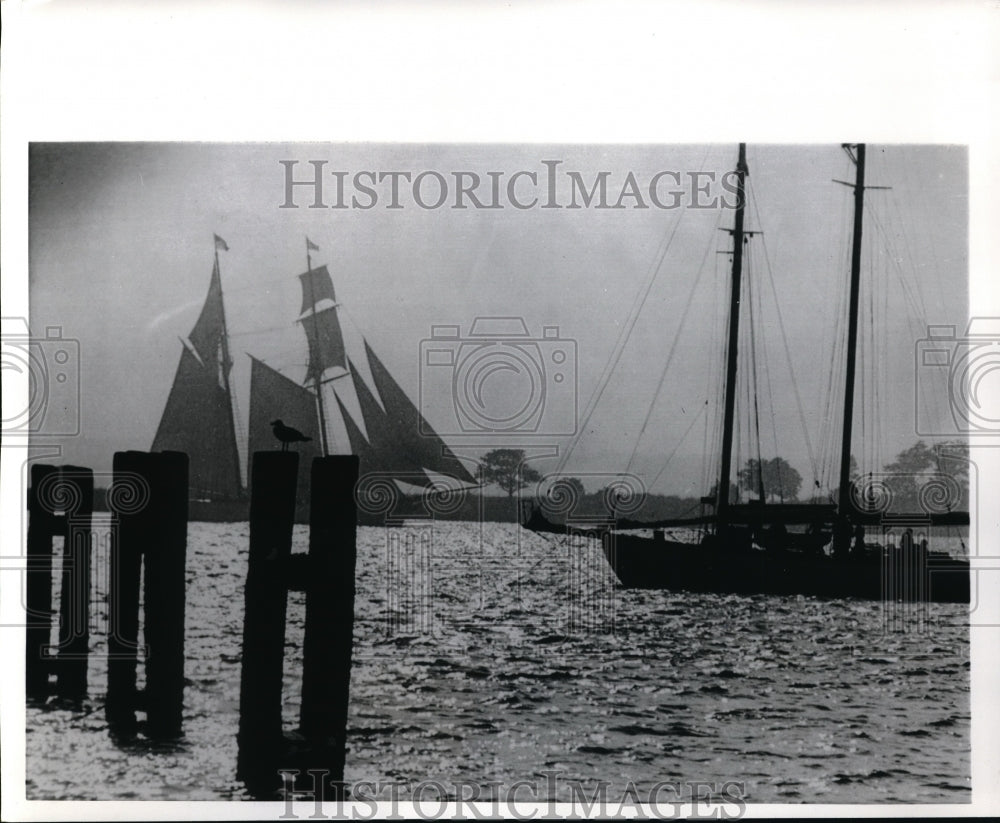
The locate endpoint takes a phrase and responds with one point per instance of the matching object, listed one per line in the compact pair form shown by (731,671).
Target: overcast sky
(121,253)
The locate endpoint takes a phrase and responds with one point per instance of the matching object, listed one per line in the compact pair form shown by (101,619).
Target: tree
(777,477)
(508,469)
(914,467)
(734,491)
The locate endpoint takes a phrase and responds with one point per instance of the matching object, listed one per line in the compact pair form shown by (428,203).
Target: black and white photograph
(540,477)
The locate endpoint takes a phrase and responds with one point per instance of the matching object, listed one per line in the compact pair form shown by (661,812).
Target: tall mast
(852,329)
(722,498)
(227,362)
(317,378)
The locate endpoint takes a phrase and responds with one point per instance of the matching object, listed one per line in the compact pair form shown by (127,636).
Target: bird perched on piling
(286,434)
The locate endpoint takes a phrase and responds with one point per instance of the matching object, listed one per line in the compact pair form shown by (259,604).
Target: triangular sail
(198,417)
(388,453)
(414,434)
(276,397)
(375,459)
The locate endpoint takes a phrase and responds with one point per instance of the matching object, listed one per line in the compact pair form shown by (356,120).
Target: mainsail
(276,397)
(198,417)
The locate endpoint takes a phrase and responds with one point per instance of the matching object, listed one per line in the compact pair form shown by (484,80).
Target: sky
(121,252)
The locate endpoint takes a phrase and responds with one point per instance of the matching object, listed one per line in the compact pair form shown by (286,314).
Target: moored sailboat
(749,548)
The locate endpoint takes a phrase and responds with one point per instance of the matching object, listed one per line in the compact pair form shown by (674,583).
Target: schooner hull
(647,563)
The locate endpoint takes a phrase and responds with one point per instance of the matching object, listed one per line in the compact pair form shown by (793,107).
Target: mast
(852,330)
(722,493)
(227,362)
(317,381)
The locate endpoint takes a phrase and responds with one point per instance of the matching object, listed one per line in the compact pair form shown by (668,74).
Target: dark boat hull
(650,563)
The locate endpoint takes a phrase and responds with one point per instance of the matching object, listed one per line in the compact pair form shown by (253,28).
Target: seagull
(286,434)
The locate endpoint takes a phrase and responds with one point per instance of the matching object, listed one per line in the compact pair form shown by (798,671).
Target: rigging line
(784,340)
(670,357)
(837,383)
(768,383)
(679,443)
(714,379)
(910,242)
(623,337)
(753,382)
(871,363)
(914,298)
(266,330)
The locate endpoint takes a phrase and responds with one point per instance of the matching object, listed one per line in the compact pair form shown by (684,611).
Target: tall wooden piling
(164,583)
(272,512)
(329,634)
(74,604)
(148,497)
(42,526)
(129,498)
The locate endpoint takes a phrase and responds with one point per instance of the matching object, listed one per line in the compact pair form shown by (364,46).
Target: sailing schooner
(392,439)
(748,548)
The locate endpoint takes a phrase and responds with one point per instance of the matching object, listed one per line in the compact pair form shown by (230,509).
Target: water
(486,653)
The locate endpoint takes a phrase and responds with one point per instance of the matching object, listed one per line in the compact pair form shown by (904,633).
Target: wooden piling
(130,499)
(164,584)
(149,498)
(329,633)
(74,607)
(274,477)
(42,526)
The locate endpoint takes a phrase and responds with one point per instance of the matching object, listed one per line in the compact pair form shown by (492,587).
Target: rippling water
(486,653)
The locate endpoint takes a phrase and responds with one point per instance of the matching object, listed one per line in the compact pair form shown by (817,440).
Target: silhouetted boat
(396,445)
(760,548)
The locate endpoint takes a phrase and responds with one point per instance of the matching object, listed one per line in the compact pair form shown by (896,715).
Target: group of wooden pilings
(327,575)
(148,501)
